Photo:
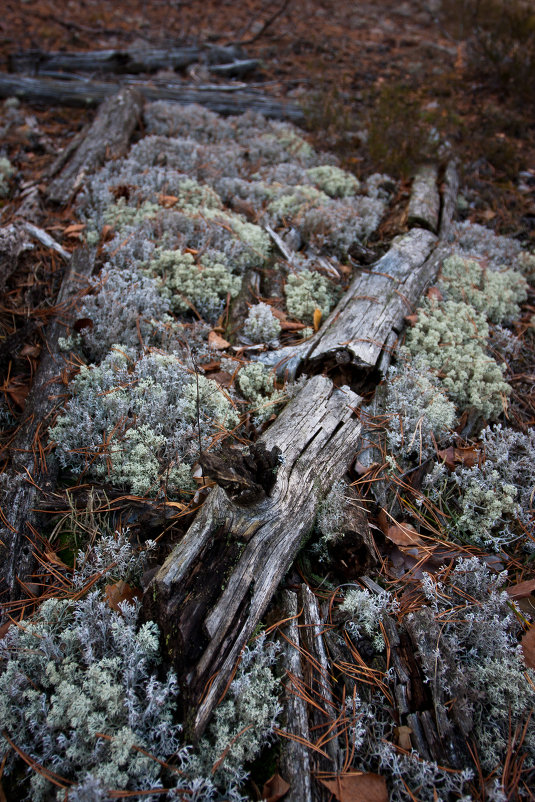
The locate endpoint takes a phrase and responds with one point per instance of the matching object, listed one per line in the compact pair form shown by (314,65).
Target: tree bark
(91,93)
(31,471)
(107,137)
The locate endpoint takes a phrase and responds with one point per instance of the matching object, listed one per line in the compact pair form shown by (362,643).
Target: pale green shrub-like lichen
(450,337)
(305,292)
(418,409)
(257,385)
(205,284)
(496,294)
(292,202)
(261,325)
(333,181)
(6,171)
(257,241)
(135,423)
(121,215)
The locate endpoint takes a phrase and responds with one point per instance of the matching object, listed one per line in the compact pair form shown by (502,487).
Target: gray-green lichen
(307,291)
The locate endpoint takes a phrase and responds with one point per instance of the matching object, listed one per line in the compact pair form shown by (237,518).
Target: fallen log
(424,205)
(107,137)
(360,333)
(90,93)
(218,581)
(353,336)
(31,471)
(131,61)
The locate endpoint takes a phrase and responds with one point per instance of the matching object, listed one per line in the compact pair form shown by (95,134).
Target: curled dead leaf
(120,592)
(275,788)
(218,342)
(528,647)
(412,320)
(404,535)
(167,201)
(434,294)
(357,787)
(317,319)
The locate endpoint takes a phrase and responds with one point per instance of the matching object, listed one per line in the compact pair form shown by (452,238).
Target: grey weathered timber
(90,93)
(375,304)
(13,241)
(133,60)
(218,581)
(107,137)
(295,760)
(450,190)
(424,204)
(30,471)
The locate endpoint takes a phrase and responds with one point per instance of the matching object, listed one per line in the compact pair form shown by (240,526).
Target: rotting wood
(295,760)
(218,581)
(107,137)
(378,299)
(131,61)
(90,93)
(30,470)
(358,337)
(424,204)
(317,677)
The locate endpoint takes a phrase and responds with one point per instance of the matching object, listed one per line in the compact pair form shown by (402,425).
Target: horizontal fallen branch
(91,93)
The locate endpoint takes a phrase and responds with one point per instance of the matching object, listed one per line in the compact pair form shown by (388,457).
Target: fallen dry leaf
(120,592)
(358,788)
(403,735)
(522,589)
(218,342)
(83,323)
(434,294)
(452,457)
(275,788)
(30,350)
(317,319)
(167,201)
(412,320)
(404,535)
(528,647)
(291,325)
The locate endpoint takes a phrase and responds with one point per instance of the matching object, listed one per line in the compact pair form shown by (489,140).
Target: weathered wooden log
(352,339)
(354,334)
(424,204)
(107,137)
(13,241)
(90,93)
(30,470)
(218,581)
(295,759)
(316,674)
(131,61)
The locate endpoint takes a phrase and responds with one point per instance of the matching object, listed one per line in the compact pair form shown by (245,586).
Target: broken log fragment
(108,137)
(31,471)
(376,303)
(218,581)
(424,204)
(91,93)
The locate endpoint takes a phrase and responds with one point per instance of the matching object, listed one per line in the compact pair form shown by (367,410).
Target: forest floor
(384,85)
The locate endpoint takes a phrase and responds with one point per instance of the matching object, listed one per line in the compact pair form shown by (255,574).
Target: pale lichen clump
(135,423)
(333,181)
(202,285)
(6,172)
(496,294)
(261,325)
(450,338)
(419,412)
(467,640)
(307,291)
(257,384)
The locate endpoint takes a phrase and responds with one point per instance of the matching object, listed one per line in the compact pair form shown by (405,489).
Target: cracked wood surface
(218,581)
